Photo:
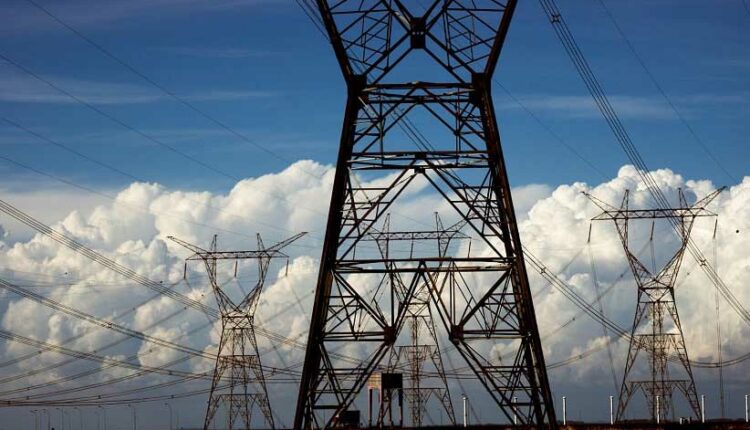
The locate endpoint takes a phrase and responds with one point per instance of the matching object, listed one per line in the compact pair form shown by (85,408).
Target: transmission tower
(657,332)
(421,356)
(238,382)
(482,300)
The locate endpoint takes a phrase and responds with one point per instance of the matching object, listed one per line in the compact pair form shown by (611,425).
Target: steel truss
(364,299)
(657,330)
(238,365)
(421,357)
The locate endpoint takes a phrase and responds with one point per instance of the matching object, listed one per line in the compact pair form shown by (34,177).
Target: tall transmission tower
(238,381)
(483,300)
(657,334)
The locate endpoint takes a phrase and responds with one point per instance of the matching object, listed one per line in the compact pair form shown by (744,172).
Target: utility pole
(104,413)
(135,418)
(463,166)
(62,418)
(656,310)
(49,419)
(238,381)
(36,419)
(466,411)
(80,417)
(658,412)
(169,407)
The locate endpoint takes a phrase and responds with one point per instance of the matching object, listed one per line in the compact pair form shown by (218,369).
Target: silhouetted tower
(238,382)
(657,334)
(421,356)
(482,300)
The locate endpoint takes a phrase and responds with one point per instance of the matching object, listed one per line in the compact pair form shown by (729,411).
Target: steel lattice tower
(421,355)
(657,332)
(481,300)
(238,381)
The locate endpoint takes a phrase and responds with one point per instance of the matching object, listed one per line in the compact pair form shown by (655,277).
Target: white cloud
(554,224)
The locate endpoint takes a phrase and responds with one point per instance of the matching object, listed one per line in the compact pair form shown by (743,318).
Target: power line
(407,128)
(134,357)
(114,198)
(155,84)
(626,143)
(134,178)
(550,131)
(99,47)
(126,272)
(125,125)
(669,101)
(116,120)
(107,324)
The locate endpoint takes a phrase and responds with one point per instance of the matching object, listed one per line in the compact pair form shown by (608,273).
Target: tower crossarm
(271,252)
(197,250)
(612,213)
(415,235)
(653,214)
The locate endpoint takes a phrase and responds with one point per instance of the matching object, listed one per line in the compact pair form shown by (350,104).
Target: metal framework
(363,299)
(420,357)
(238,366)
(657,331)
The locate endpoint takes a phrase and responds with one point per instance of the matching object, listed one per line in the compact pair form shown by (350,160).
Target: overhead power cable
(146,371)
(90,356)
(549,130)
(104,261)
(623,138)
(132,177)
(124,203)
(160,87)
(120,269)
(66,341)
(128,401)
(133,358)
(65,362)
(669,101)
(109,325)
(116,120)
(99,47)
(140,355)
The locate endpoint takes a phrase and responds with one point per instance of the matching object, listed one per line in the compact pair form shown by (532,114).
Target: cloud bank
(132,230)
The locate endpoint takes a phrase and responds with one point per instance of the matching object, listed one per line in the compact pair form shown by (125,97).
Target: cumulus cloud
(554,224)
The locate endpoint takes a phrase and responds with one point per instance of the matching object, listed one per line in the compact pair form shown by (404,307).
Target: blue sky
(260,67)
